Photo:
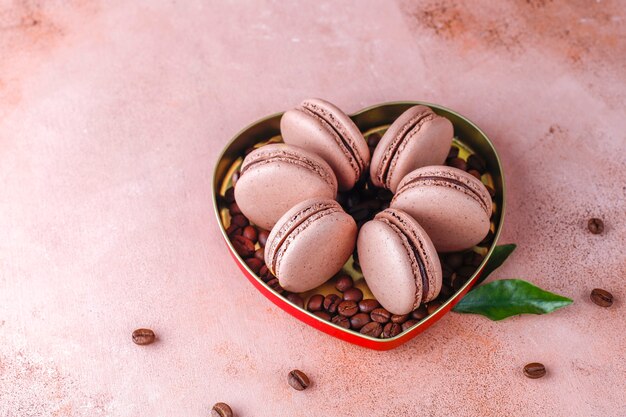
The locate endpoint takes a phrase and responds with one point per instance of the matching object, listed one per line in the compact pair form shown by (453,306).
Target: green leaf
(509,297)
(499,255)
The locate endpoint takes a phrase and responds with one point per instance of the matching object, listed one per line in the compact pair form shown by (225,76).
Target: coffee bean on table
(446,291)
(341,321)
(221,410)
(348,308)
(391,330)
(295,299)
(331,302)
(263,235)
(420,313)
(432,306)
(143,336)
(372,329)
(322,314)
(344,282)
(466,271)
(315,303)
(233,208)
(601,297)
(239,220)
(229,195)
(373,139)
(380,315)
(298,380)
(243,246)
(399,318)
(251,233)
(275,285)
(359,320)
(408,324)
(534,370)
(595,226)
(353,294)
(260,254)
(265,274)
(368,305)
(457,163)
(254,264)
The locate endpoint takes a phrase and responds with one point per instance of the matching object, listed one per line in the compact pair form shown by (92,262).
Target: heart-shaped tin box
(375,119)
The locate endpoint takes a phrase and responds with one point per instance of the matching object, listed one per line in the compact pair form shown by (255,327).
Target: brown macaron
(399,261)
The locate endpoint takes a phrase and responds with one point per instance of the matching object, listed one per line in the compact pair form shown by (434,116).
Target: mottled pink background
(112,115)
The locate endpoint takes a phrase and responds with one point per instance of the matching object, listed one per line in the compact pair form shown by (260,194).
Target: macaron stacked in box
(291,189)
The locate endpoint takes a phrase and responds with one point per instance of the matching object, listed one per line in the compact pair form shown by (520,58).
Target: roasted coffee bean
(260,254)
(233,208)
(263,235)
(298,380)
(359,320)
(229,195)
(360,214)
(344,282)
(368,305)
(356,265)
(602,297)
(373,139)
(399,318)
(420,313)
(331,303)
(474,173)
(466,271)
(534,370)
(372,149)
(353,200)
(275,285)
(341,321)
(457,163)
(342,198)
(348,308)
(295,299)
(384,195)
(143,336)
(391,330)
(233,230)
(254,264)
(353,294)
(472,258)
(380,315)
(408,324)
(235,177)
(372,329)
(315,303)
(454,260)
(453,153)
(239,220)
(243,246)
(249,150)
(492,192)
(322,314)
(265,274)
(476,162)
(446,271)
(446,291)
(251,233)
(595,226)
(221,410)
(488,239)
(432,306)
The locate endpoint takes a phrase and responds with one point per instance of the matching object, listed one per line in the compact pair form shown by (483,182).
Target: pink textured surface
(112,115)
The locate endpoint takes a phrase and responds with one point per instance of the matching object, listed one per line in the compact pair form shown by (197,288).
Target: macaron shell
(427,145)
(453,219)
(315,250)
(306,131)
(267,190)
(386,268)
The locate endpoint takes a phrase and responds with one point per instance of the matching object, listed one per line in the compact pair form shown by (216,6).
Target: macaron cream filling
(335,127)
(290,229)
(439,180)
(408,130)
(284,156)
(414,250)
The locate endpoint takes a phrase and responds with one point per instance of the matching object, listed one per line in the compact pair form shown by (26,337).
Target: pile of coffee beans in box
(347,308)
